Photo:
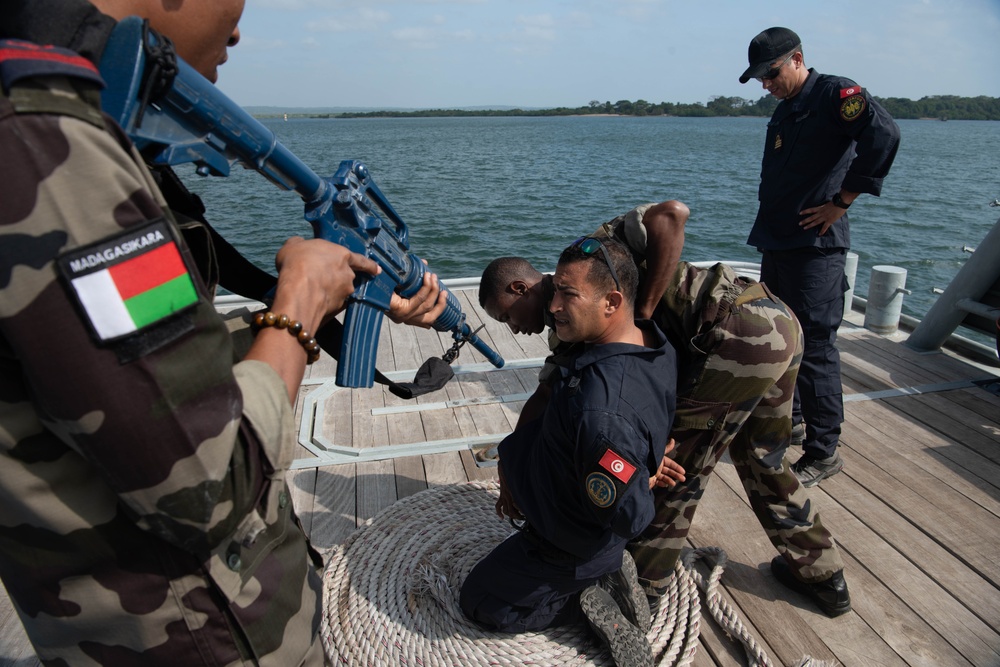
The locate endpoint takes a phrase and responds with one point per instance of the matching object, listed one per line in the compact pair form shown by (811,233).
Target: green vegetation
(949,107)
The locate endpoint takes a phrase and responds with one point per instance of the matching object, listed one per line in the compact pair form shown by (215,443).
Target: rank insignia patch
(129,282)
(19,59)
(852,107)
(777,142)
(600,489)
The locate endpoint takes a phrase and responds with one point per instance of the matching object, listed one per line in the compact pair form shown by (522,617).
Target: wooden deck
(916,511)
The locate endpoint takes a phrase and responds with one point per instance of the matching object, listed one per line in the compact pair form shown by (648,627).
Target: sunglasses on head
(588,245)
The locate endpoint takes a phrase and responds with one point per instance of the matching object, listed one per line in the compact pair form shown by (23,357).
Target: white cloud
(296,5)
(416,37)
(363,19)
(637,10)
(539,27)
(299,5)
(258,44)
(677,50)
(431,37)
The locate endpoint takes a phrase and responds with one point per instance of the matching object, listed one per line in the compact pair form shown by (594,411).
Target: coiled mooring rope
(391,594)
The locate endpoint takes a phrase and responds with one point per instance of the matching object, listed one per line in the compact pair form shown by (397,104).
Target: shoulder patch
(617,466)
(848,92)
(601,490)
(129,282)
(20,59)
(609,477)
(852,107)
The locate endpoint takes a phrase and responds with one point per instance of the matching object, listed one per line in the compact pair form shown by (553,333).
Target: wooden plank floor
(916,511)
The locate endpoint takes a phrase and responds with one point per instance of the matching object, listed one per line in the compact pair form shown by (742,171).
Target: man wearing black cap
(828,141)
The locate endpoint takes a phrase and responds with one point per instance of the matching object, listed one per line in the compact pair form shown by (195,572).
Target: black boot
(831,595)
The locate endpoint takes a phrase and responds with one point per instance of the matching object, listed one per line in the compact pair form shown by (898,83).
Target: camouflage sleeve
(628,229)
(142,384)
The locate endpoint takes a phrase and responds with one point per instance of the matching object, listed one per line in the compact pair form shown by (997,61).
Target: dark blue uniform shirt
(831,135)
(580,474)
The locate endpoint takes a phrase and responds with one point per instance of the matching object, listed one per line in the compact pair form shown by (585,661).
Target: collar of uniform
(594,353)
(797,103)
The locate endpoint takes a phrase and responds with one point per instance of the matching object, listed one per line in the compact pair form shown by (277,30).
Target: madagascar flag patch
(129,282)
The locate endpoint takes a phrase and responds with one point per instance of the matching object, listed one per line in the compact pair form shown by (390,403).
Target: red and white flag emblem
(617,466)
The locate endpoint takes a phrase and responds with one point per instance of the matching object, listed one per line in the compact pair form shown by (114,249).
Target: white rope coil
(391,594)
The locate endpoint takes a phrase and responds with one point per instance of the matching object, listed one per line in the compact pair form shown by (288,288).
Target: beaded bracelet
(263,319)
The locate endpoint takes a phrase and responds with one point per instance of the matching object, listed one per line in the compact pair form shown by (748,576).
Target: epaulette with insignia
(20,59)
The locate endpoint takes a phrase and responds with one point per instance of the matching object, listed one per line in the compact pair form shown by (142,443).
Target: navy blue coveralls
(580,475)
(831,136)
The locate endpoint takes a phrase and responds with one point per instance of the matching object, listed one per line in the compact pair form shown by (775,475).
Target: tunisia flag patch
(617,466)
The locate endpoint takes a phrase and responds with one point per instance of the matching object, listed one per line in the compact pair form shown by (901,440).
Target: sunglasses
(588,245)
(774,71)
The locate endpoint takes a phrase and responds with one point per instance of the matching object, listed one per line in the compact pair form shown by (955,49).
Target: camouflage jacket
(144,514)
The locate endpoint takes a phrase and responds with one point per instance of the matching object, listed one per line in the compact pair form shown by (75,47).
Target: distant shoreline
(943,107)
(353,116)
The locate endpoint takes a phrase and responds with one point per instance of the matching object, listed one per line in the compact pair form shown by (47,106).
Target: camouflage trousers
(735,390)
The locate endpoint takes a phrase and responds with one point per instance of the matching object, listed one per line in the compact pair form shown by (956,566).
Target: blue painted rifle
(189,120)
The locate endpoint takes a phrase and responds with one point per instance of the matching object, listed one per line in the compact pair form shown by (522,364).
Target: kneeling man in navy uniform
(579,478)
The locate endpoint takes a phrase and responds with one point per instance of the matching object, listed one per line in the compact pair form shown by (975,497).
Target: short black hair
(501,272)
(600,274)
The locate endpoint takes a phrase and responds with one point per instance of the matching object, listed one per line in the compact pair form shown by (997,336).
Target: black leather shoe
(831,595)
(811,470)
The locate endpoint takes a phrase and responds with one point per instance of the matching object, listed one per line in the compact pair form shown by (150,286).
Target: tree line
(944,107)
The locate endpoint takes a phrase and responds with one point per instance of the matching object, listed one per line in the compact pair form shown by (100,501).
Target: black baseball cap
(767,47)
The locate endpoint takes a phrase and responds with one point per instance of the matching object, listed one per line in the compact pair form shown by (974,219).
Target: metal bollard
(851,271)
(885,299)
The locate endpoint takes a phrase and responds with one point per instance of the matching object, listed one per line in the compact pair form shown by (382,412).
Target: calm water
(472,189)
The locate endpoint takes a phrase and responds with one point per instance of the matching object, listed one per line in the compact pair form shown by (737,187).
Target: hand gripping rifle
(186,119)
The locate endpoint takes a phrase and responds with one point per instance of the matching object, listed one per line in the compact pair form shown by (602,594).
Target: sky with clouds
(550,53)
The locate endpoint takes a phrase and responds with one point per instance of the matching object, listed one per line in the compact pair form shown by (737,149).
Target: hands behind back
(670,472)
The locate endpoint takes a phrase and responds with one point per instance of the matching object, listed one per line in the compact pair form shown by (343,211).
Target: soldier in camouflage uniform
(739,349)
(144,513)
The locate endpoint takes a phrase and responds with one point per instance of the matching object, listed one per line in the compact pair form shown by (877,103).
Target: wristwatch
(837,201)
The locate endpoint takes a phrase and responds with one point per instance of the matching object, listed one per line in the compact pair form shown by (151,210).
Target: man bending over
(739,349)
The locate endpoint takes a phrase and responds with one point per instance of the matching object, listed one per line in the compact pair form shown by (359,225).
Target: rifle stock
(194,122)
